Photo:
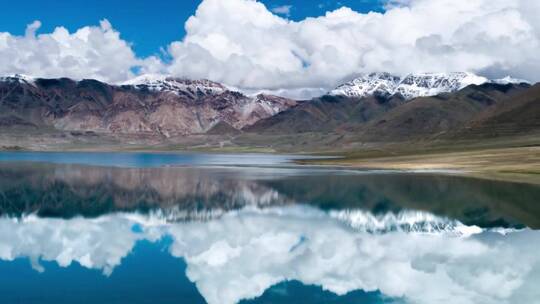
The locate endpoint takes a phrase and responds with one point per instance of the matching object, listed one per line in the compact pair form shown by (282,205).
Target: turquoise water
(82,228)
(148,275)
(149,159)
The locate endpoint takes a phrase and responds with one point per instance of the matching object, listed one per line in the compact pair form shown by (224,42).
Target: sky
(147,25)
(295,47)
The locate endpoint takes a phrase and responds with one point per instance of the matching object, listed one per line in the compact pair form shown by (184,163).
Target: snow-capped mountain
(247,109)
(148,104)
(369,84)
(510,80)
(413,85)
(418,85)
(187,87)
(18,78)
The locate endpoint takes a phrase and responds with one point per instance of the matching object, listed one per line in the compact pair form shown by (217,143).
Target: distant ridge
(413,85)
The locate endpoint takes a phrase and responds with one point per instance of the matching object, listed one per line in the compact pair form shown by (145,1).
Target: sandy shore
(520,164)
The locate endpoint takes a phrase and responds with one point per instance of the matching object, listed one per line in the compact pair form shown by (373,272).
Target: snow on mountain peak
(431,84)
(146,79)
(369,84)
(510,80)
(157,82)
(410,86)
(20,78)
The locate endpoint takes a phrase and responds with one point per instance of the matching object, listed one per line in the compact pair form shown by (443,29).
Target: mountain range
(413,85)
(149,104)
(373,108)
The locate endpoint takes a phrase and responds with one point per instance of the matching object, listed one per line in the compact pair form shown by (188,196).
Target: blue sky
(148,25)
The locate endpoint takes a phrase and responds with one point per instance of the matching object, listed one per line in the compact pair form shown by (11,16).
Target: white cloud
(283,10)
(249,47)
(390,4)
(244,44)
(90,52)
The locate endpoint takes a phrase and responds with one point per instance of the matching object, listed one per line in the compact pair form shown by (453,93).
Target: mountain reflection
(244,252)
(183,193)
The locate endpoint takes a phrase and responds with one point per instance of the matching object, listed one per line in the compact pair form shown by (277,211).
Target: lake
(253,228)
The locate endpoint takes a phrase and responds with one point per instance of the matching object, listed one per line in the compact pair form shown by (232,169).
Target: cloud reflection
(94,243)
(242,253)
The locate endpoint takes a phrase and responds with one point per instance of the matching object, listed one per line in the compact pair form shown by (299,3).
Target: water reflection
(198,193)
(229,234)
(244,252)
(149,160)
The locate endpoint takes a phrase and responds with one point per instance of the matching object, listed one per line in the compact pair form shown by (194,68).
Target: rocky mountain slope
(519,115)
(146,105)
(392,118)
(325,114)
(441,116)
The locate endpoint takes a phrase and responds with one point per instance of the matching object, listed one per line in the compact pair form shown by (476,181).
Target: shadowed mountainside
(380,119)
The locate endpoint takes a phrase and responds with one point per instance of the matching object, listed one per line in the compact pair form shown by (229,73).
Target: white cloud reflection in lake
(416,256)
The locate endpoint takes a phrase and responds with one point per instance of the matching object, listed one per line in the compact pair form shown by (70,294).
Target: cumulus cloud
(250,47)
(283,10)
(390,4)
(90,52)
(244,44)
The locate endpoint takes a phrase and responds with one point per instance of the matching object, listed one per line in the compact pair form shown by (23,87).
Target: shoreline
(520,164)
(513,164)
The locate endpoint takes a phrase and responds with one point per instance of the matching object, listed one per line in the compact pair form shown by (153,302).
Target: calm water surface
(248,228)
(145,160)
